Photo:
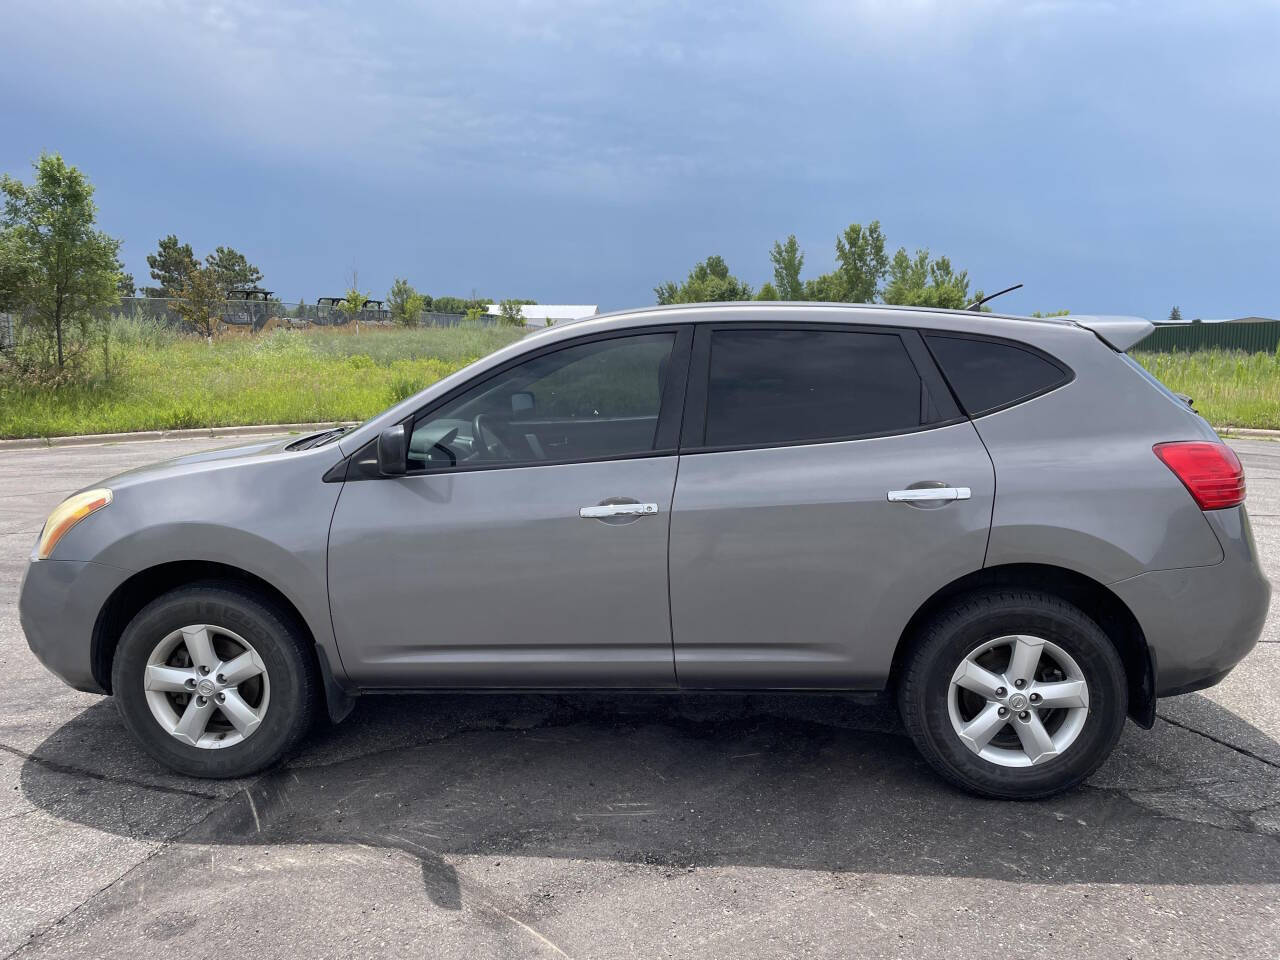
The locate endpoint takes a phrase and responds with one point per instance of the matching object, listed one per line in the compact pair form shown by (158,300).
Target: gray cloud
(1086,142)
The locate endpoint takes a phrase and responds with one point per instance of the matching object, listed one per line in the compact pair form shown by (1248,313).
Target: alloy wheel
(206,686)
(1018,700)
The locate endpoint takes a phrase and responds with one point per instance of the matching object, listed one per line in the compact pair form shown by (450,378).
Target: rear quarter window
(988,375)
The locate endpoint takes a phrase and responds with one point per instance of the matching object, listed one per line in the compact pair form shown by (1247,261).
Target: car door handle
(920,494)
(602,510)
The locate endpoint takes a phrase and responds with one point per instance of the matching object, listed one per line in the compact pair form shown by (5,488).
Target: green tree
(15,269)
(861,262)
(1046,314)
(405,303)
(788,260)
(65,269)
(231,269)
(353,303)
(475,314)
(768,292)
(198,301)
(908,277)
(458,304)
(1175,315)
(920,281)
(709,281)
(827,288)
(169,265)
(125,286)
(510,314)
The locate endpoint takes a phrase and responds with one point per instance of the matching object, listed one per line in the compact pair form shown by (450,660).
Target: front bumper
(1201,621)
(58,606)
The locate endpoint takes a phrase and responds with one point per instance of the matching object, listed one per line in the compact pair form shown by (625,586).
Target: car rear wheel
(214,681)
(1013,694)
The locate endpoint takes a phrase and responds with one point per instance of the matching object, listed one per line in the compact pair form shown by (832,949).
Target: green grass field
(1230,388)
(161,381)
(164,382)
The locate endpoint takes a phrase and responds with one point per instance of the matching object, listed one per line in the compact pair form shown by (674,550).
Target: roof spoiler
(1119,333)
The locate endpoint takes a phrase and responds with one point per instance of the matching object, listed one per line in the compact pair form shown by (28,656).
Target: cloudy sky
(1115,157)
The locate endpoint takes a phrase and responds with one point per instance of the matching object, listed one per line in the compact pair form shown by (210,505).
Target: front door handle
(604,510)
(920,494)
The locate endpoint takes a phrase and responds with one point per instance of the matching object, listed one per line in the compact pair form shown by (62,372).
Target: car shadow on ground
(815,783)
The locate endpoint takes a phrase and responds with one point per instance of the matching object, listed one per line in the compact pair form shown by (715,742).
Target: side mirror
(522,402)
(393,450)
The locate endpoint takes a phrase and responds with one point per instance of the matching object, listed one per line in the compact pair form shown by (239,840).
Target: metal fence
(260,314)
(253,315)
(1261,337)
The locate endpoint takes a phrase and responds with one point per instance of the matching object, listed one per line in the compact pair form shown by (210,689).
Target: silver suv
(1003,522)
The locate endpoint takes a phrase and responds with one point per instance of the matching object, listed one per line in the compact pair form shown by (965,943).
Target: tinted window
(787,386)
(591,401)
(986,374)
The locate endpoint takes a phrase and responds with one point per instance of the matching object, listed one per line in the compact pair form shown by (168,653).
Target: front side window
(796,386)
(592,401)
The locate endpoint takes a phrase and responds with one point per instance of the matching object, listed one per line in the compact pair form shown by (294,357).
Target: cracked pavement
(614,826)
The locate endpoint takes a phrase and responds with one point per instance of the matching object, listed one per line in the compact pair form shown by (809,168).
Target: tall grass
(162,381)
(1230,388)
(384,347)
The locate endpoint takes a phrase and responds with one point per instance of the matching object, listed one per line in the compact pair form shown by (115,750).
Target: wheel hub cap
(1017,702)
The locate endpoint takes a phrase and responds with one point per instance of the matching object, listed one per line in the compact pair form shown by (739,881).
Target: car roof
(793,311)
(815,305)
(1120,332)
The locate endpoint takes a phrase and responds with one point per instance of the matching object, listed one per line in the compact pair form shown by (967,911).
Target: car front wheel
(1013,694)
(214,681)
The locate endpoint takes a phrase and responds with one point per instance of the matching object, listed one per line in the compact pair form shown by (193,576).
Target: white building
(538,314)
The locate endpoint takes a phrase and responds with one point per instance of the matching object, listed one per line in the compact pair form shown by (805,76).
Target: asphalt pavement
(616,826)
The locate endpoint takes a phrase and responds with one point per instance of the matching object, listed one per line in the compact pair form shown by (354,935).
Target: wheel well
(1106,609)
(143,587)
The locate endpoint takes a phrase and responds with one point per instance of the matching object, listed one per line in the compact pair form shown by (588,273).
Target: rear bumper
(58,606)
(1200,622)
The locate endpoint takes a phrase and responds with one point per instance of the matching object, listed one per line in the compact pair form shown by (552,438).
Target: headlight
(66,515)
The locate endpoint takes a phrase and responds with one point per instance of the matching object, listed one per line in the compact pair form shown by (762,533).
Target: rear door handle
(919,494)
(600,511)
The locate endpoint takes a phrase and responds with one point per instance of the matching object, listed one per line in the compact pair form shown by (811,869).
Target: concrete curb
(1249,433)
(271,429)
(96,439)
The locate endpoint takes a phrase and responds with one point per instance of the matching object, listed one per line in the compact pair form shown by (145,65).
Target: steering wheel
(495,450)
(423,454)
(443,446)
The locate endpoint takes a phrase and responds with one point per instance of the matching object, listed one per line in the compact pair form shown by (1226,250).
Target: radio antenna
(977,304)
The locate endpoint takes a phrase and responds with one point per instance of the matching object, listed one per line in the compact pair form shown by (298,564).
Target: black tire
(961,628)
(290,668)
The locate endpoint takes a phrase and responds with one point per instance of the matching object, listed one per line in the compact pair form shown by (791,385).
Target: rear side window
(796,386)
(988,374)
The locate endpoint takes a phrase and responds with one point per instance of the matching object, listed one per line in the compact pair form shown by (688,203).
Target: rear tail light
(1210,471)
